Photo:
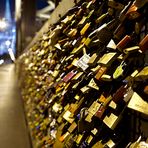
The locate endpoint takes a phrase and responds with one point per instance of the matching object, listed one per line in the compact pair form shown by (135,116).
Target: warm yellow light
(3,24)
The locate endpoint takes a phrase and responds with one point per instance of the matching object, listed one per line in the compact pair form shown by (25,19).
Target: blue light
(8,35)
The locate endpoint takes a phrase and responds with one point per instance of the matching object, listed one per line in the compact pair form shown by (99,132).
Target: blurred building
(7,33)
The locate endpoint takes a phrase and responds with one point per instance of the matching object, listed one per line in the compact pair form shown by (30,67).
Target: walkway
(13,130)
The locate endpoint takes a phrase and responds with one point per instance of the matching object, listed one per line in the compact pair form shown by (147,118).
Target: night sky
(2,7)
(40,4)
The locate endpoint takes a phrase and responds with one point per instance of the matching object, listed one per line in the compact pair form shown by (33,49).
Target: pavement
(13,128)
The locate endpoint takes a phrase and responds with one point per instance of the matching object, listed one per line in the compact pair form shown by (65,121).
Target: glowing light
(1,61)
(11,54)
(7,33)
(8,43)
(13,30)
(3,24)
